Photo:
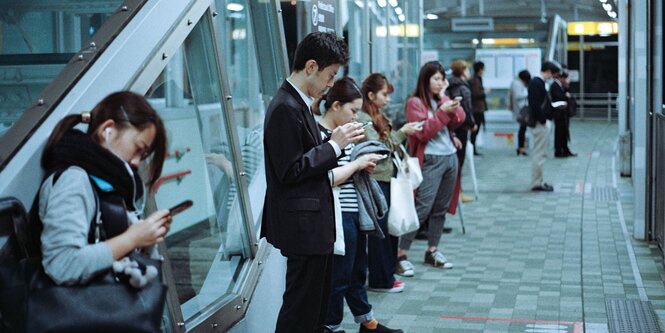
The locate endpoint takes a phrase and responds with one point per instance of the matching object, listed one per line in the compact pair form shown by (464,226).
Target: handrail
(609,100)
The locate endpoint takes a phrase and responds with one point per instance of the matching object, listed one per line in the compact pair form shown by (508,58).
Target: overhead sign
(593,28)
(323,16)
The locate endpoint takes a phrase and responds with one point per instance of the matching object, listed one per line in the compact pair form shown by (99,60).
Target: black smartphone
(179,208)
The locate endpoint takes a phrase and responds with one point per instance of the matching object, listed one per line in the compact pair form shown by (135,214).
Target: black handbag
(523,116)
(31,302)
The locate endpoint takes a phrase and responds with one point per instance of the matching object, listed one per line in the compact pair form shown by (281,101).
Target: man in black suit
(298,215)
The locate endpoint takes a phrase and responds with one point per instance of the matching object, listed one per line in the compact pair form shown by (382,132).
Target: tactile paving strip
(631,316)
(604,194)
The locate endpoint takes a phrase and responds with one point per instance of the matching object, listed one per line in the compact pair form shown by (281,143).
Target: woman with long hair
(342,103)
(382,253)
(122,130)
(436,149)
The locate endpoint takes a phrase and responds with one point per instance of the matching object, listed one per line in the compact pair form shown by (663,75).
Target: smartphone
(420,124)
(367,124)
(383,157)
(179,208)
(457,98)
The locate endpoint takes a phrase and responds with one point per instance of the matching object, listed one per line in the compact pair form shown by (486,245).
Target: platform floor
(534,262)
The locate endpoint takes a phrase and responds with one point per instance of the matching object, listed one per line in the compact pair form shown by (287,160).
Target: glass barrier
(37,39)
(207,245)
(248,105)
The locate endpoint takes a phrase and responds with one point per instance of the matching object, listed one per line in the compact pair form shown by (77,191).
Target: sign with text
(502,65)
(323,15)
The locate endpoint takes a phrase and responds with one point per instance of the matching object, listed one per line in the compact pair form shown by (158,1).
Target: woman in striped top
(342,102)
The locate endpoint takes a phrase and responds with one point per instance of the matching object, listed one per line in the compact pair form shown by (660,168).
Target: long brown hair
(125,108)
(374,83)
(422,89)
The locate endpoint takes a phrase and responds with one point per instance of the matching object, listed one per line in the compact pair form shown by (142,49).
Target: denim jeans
(348,280)
(382,253)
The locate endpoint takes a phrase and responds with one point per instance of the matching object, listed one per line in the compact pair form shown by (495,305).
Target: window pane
(207,244)
(248,108)
(37,39)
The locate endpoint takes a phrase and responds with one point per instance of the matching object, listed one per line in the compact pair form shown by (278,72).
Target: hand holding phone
(367,124)
(458,98)
(420,124)
(179,208)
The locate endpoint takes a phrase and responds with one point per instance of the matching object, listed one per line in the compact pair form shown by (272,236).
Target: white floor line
(626,236)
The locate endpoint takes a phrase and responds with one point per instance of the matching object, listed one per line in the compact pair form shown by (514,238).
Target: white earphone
(108,132)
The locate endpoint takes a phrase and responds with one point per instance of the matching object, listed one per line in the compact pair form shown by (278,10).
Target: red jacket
(416,110)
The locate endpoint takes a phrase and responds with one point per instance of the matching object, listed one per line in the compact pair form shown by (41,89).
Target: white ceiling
(569,10)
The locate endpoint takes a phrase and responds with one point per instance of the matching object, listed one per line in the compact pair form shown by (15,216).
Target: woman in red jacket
(436,148)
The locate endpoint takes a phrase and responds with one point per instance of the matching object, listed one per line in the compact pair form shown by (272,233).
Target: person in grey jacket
(123,130)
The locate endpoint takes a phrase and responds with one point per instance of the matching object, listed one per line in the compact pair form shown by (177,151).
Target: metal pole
(582,77)
(609,107)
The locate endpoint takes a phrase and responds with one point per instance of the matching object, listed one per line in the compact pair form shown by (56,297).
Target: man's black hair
(323,47)
(551,66)
(478,66)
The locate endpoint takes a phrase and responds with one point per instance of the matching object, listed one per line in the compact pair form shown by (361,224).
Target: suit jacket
(298,215)
(557,93)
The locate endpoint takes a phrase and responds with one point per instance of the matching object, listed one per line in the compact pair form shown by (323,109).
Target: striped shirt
(348,198)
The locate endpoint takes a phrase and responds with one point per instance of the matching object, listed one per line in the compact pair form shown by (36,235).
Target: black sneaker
(379,329)
(543,188)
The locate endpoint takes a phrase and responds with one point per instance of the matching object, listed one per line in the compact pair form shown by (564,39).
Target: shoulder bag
(31,302)
(402,215)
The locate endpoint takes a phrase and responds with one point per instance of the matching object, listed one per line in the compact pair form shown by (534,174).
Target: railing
(595,105)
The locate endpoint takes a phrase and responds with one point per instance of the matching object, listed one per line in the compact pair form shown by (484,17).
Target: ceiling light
(401,17)
(235,7)
(398,11)
(607,7)
(603,1)
(382,3)
(432,16)
(393,3)
(475,41)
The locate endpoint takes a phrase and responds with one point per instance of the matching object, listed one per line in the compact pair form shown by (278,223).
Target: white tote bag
(339,228)
(411,167)
(402,216)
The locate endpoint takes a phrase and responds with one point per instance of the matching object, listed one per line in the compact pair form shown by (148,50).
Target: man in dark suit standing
(298,215)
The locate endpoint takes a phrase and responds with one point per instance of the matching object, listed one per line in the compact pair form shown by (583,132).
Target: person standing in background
(478,101)
(561,117)
(519,94)
(382,253)
(298,215)
(541,111)
(459,88)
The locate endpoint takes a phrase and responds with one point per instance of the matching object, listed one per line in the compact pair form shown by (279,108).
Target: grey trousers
(433,197)
(541,142)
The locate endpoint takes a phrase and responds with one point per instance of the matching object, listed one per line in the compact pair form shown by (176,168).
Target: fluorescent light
(603,1)
(382,3)
(607,7)
(398,11)
(235,7)
(393,3)
(432,17)
(360,3)
(401,17)
(488,41)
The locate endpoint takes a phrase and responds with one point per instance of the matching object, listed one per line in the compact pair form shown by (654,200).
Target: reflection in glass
(248,108)
(207,245)
(37,39)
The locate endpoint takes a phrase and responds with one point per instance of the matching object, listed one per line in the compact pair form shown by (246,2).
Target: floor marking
(578,327)
(626,237)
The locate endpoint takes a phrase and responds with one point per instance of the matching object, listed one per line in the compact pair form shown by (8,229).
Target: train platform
(563,261)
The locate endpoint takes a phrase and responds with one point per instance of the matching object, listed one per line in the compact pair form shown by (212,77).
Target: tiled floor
(533,262)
